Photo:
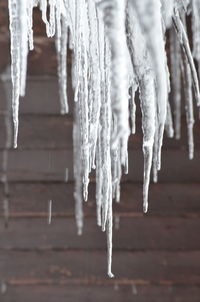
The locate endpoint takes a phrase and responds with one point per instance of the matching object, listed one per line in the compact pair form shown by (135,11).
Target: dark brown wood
(45,165)
(55,132)
(158,233)
(30,200)
(79,267)
(41,97)
(91,293)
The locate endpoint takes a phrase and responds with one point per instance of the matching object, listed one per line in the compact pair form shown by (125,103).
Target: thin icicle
(61,47)
(109,238)
(175,60)
(23,31)
(169,123)
(188,104)
(77,175)
(116,221)
(49,211)
(133,108)
(148,101)
(30,24)
(196,30)
(15,62)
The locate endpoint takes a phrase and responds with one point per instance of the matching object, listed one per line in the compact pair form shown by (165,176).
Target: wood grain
(174,200)
(48,131)
(50,165)
(79,267)
(158,233)
(91,293)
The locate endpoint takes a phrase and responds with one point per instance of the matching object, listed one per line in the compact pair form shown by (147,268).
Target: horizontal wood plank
(91,293)
(46,165)
(42,95)
(133,233)
(30,200)
(55,132)
(90,267)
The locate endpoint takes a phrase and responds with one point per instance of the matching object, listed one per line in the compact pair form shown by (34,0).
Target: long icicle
(15,62)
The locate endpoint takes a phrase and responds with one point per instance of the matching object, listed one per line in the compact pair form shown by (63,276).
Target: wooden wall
(156,256)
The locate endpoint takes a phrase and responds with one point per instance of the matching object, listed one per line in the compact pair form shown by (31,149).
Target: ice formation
(119,48)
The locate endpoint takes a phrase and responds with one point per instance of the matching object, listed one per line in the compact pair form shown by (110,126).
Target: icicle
(114,18)
(94,90)
(155,153)
(116,221)
(186,48)
(23,31)
(61,47)
(99,146)
(66,175)
(105,120)
(49,211)
(188,104)
(169,124)
(6,212)
(109,239)
(51,28)
(134,289)
(20,34)
(30,24)
(148,100)
(150,20)
(175,59)
(3,287)
(77,175)
(43,7)
(167,12)
(196,30)
(145,75)
(133,108)
(15,61)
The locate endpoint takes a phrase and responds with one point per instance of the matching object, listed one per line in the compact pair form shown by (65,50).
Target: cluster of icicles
(118,49)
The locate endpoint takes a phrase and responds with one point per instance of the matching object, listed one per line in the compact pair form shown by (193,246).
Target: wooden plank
(83,267)
(41,132)
(30,200)
(41,96)
(39,165)
(106,293)
(45,133)
(48,131)
(46,165)
(4,17)
(55,132)
(133,233)
(4,50)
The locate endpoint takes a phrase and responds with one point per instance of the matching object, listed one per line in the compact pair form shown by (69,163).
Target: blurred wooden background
(156,257)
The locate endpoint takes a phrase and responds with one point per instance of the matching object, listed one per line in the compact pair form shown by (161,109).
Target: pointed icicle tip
(110,275)
(80,231)
(145,207)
